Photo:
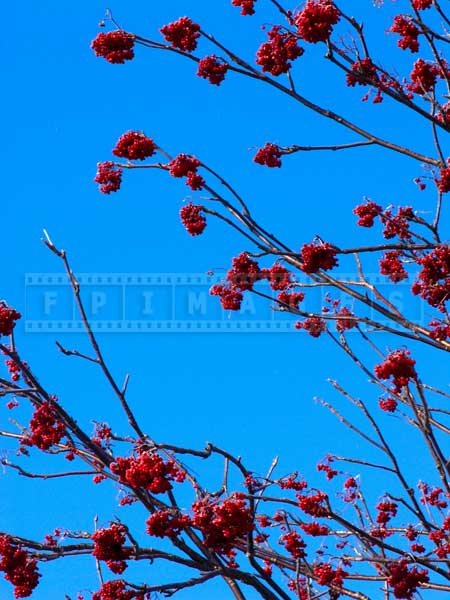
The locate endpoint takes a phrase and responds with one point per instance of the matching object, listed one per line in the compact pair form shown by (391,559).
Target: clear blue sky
(63,112)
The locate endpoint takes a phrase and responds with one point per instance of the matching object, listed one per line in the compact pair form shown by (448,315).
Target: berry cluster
(247,6)
(317,256)
(315,22)
(404,582)
(432,496)
(163,523)
(423,77)
(362,72)
(148,471)
(13,368)
(46,430)
(108,176)
(185,165)
(109,547)
(326,575)
(117,590)
(182,34)
(433,281)
(367,213)
(422,4)
(315,326)
(314,529)
(314,505)
(229,299)
(388,404)
(222,523)
(116,46)
(269,155)
(292,300)
(386,511)
(443,183)
(399,366)
(397,225)
(20,570)
(244,274)
(212,69)
(8,318)
(192,218)
(274,56)
(408,32)
(346,320)
(294,544)
(134,145)
(392,267)
(440,331)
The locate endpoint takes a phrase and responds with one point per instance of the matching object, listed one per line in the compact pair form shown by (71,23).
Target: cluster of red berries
(229,299)
(102,435)
(116,46)
(432,496)
(318,256)
(433,281)
(134,145)
(274,56)
(403,581)
(148,471)
(192,218)
(278,276)
(440,331)
(46,430)
(422,4)
(212,69)
(293,483)
(398,366)
(314,505)
(362,72)
(13,368)
(314,529)
(294,544)
(443,183)
(182,34)
(386,511)
(8,318)
(109,547)
(350,490)
(392,267)
(325,467)
(315,22)
(291,300)
(397,225)
(185,165)
(20,570)
(423,77)
(367,213)
(268,156)
(244,274)
(346,320)
(409,33)
(388,404)
(108,176)
(247,6)
(118,590)
(222,523)
(444,114)
(326,575)
(315,326)
(163,523)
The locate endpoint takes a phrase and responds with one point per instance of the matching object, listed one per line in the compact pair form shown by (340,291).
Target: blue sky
(64,110)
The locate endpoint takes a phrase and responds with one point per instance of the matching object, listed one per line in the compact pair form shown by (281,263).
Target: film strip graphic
(163,303)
